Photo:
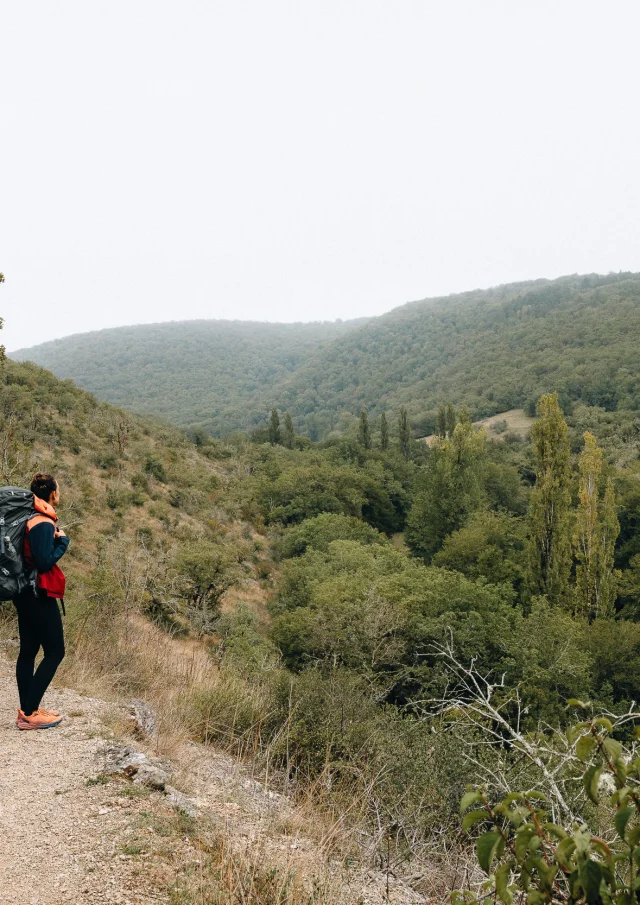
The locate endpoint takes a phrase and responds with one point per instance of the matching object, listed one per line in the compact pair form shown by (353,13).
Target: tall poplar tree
(597,529)
(274,427)
(384,433)
(404,433)
(549,553)
(289,437)
(441,422)
(450,419)
(364,432)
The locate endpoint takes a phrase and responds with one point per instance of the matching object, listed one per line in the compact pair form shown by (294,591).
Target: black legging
(40,625)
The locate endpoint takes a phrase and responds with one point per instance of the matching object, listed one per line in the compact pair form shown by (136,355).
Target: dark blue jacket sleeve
(46,549)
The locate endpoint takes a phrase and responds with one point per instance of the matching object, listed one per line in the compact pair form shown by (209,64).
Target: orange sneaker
(37,720)
(48,712)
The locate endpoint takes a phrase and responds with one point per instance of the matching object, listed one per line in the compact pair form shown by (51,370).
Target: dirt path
(71,836)
(61,838)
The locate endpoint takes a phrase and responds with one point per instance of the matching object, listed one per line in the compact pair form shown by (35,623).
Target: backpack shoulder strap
(38,520)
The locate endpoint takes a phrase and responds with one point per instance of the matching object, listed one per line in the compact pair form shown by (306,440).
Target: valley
(491,350)
(319,611)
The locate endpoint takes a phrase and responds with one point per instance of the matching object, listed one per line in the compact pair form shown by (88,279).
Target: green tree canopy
(549,539)
(452,488)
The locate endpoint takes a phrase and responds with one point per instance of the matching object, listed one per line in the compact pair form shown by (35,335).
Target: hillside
(216,373)
(492,350)
(291,607)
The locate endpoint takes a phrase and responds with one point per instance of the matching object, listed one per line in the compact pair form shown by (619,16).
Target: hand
(60,532)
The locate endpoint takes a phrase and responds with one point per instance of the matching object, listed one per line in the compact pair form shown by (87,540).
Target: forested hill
(212,372)
(492,350)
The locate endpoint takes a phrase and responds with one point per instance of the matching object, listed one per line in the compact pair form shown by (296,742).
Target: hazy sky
(300,160)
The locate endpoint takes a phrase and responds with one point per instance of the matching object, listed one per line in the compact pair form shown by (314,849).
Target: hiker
(39,618)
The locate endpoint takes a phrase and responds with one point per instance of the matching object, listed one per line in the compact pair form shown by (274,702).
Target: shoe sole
(26,726)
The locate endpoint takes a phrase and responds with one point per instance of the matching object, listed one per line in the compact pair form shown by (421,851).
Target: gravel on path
(61,836)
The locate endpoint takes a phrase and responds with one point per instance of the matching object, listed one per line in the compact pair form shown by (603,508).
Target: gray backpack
(16,508)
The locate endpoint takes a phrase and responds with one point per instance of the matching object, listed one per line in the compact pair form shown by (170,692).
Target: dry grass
(208,869)
(514,421)
(259,859)
(313,847)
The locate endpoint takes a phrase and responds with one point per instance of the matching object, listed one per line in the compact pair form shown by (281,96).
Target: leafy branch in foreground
(484,713)
(530,859)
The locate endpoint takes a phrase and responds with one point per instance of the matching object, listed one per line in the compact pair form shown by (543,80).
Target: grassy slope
(492,350)
(134,493)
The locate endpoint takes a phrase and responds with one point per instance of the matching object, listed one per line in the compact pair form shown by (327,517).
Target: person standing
(39,618)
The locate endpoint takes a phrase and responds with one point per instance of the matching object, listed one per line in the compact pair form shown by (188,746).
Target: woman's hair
(43,485)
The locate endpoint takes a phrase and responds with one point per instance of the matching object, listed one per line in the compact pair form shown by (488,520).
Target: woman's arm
(46,549)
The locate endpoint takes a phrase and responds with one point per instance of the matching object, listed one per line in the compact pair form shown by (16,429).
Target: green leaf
(582,839)
(574,702)
(590,879)
(585,747)
(503,875)
(515,816)
(625,898)
(523,837)
(608,874)
(565,850)
(546,873)
(468,799)
(536,898)
(622,818)
(604,722)
(633,837)
(486,849)
(591,780)
(574,884)
(613,748)
(472,817)
(620,796)
(536,796)
(573,732)
(554,830)
(636,732)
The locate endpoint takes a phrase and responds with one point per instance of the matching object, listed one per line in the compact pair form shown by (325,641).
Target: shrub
(530,854)
(105,460)
(320,531)
(205,572)
(154,466)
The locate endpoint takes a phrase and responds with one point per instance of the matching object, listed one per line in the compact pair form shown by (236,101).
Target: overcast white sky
(299,160)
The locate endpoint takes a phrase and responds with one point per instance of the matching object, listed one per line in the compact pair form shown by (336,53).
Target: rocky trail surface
(87,818)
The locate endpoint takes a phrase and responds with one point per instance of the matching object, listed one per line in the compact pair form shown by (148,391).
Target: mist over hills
(216,373)
(492,350)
